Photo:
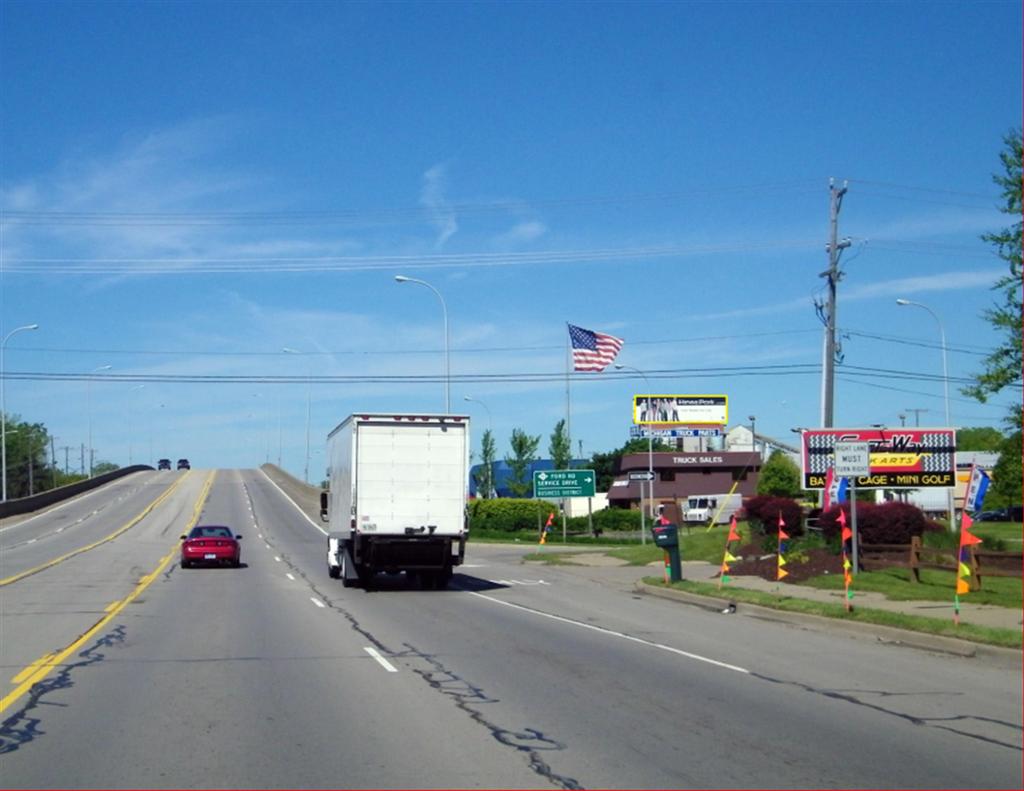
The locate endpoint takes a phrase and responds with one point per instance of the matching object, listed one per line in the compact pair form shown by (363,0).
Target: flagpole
(568,401)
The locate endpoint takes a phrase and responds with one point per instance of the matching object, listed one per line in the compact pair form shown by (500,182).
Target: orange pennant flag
(847,534)
(782,573)
(962,586)
(783,534)
(733,535)
(725,568)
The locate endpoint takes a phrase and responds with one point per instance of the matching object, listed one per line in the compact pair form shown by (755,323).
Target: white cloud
(940,281)
(432,197)
(521,233)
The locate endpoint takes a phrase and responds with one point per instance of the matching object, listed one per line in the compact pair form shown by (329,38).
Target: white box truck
(397,497)
(702,508)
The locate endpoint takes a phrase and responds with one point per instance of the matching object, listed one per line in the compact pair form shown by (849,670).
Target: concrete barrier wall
(24,505)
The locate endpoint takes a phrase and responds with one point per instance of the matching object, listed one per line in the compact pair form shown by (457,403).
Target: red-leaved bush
(889,523)
(763,514)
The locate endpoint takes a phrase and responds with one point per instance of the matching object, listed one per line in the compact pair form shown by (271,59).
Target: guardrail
(24,505)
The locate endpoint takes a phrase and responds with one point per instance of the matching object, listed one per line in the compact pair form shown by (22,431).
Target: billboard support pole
(854,541)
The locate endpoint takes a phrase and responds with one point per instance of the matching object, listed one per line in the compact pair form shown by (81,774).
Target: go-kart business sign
(903,458)
(688,410)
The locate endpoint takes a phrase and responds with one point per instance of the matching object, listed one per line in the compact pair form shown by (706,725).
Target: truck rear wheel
(343,570)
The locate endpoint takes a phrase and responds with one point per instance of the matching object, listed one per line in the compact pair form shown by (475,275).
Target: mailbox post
(667,537)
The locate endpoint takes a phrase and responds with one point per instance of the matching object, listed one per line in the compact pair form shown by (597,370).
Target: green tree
(101,467)
(524,452)
(981,438)
(1006,476)
(559,449)
(27,454)
(779,476)
(1003,365)
(606,465)
(484,475)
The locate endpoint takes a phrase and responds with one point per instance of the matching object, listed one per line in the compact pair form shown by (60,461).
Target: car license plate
(209,556)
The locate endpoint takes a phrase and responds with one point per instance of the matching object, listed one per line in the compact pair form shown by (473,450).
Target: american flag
(592,351)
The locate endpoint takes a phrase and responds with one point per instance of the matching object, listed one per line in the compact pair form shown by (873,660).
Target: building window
(666,475)
(739,474)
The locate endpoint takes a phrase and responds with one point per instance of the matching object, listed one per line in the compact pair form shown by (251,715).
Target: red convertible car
(214,544)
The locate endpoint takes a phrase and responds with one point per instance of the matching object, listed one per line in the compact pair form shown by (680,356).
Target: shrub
(608,520)
(508,514)
(763,514)
(888,523)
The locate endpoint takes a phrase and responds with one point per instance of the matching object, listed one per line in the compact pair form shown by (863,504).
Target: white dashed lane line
(317,602)
(289,576)
(383,662)
(277,558)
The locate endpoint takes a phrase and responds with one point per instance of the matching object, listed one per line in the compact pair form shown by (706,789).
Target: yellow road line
(43,666)
(111,537)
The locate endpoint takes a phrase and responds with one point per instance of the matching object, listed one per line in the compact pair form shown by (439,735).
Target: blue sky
(188,188)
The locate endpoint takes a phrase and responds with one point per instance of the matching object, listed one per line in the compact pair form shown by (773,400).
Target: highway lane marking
(291,577)
(76,499)
(317,602)
(289,499)
(32,541)
(111,606)
(43,666)
(384,663)
(145,512)
(612,633)
(277,558)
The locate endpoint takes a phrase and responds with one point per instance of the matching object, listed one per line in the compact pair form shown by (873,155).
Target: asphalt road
(274,675)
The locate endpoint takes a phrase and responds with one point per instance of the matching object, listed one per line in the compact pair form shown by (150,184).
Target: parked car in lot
(211,544)
(183,464)
(163,464)
(991,516)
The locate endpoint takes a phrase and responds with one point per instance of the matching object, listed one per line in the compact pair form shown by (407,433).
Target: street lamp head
(401,279)
(290,350)
(32,327)
(902,301)
(751,417)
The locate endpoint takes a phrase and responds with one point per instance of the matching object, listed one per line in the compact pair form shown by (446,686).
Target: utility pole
(83,458)
(827,313)
(66,448)
(917,415)
(53,464)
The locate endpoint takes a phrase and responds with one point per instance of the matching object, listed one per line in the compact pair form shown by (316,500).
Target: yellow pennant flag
(965,570)
(782,561)
(729,558)
(846,564)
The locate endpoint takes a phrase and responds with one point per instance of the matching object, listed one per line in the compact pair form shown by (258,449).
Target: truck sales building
(680,475)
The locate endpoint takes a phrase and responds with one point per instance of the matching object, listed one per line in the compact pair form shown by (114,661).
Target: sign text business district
(918,458)
(563,483)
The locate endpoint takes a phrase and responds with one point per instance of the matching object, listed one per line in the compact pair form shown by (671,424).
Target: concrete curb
(885,634)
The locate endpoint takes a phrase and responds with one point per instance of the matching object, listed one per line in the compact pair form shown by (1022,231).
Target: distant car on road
(211,544)
(183,464)
(163,464)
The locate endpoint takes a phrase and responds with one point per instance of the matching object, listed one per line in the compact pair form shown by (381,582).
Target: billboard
(899,458)
(689,410)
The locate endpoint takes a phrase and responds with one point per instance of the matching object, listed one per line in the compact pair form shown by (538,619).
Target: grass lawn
(698,544)
(935,585)
(1008,532)
(1007,638)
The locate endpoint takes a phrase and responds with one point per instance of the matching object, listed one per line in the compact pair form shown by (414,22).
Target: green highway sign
(563,483)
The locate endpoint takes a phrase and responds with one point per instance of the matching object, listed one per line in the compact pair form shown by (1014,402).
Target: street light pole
(650,457)
(131,425)
(309,397)
(753,433)
(447,356)
(88,401)
(945,390)
(3,406)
